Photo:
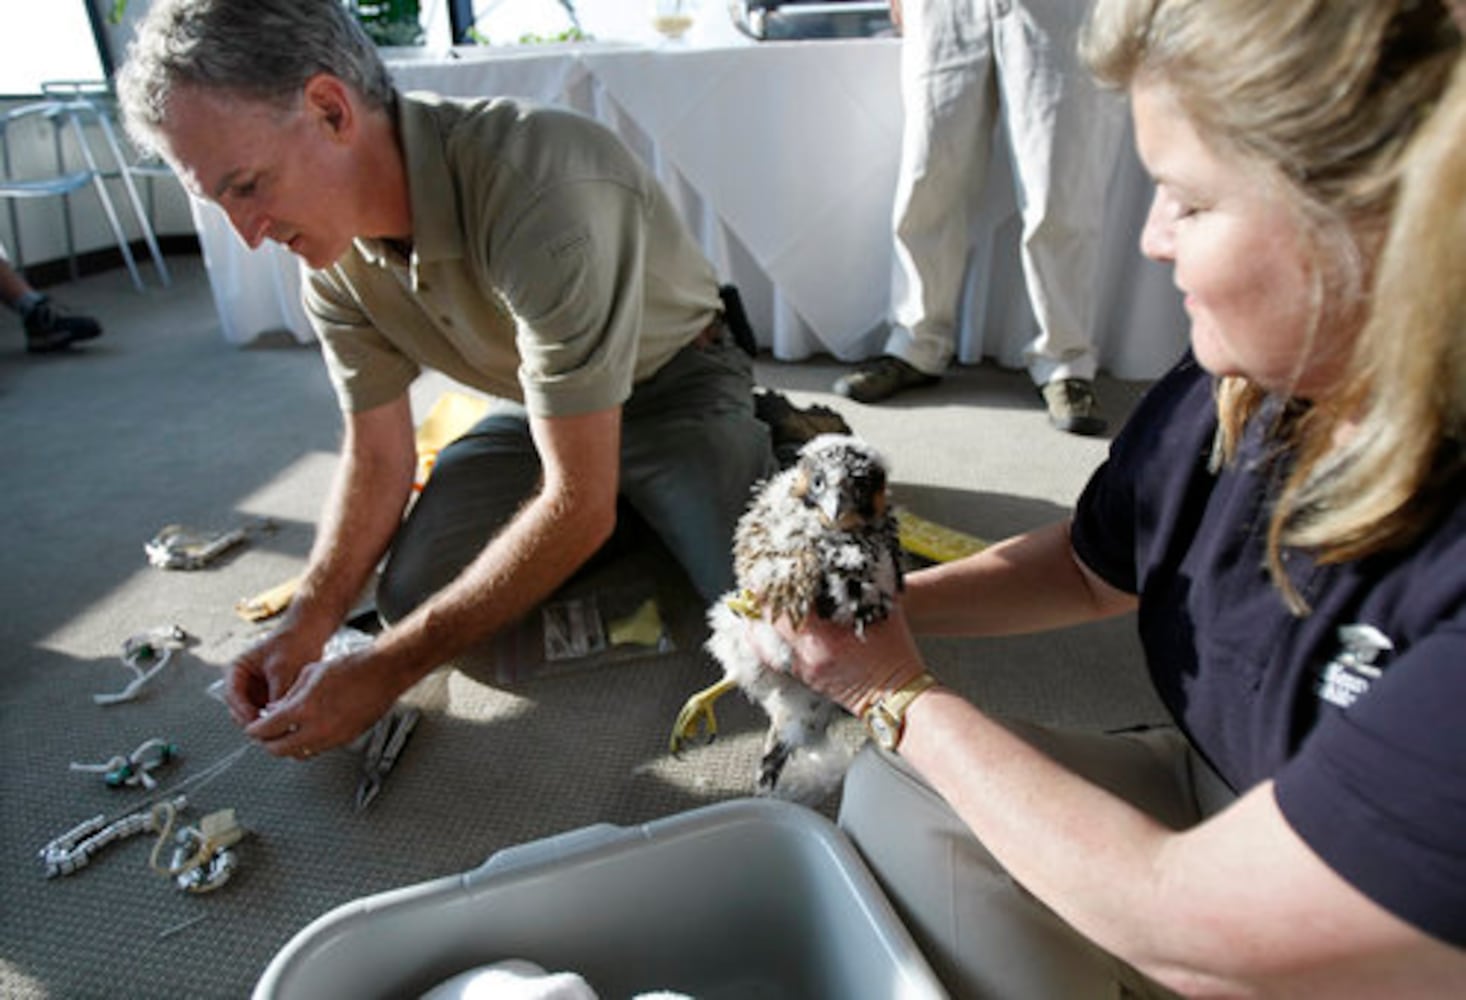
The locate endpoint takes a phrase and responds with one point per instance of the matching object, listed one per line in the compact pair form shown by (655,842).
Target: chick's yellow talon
(697,715)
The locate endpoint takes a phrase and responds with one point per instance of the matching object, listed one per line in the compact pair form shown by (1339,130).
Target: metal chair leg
(126,170)
(100,185)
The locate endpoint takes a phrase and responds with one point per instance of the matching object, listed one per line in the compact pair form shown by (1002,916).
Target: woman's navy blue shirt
(1356,710)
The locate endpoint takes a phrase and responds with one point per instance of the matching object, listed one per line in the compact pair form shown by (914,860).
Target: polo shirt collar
(431,191)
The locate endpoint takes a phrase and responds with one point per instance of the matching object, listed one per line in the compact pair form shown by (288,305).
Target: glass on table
(672,18)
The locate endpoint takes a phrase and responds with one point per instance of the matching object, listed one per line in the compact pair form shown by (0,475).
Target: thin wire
(194,781)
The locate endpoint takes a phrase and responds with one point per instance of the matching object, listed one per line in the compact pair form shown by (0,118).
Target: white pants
(966,67)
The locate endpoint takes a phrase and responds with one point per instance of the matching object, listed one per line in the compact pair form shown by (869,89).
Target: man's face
(279,174)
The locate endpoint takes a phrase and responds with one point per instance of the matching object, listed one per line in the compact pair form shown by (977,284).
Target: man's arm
(552,536)
(365,509)
(372,485)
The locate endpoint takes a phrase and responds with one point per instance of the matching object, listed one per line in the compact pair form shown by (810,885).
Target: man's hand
(330,703)
(266,671)
(372,487)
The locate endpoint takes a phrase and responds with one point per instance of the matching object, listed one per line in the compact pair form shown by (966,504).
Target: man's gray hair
(263,50)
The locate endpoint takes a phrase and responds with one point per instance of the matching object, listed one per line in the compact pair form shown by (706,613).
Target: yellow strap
(934,541)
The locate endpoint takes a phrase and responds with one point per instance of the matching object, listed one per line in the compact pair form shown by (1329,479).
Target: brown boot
(881,378)
(791,426)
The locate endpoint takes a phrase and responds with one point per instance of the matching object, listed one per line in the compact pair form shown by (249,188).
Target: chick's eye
(817,481)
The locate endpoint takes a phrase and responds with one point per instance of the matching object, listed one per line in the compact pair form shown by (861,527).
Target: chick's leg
(771,764)
(798,719)
(732,646)
(697,715)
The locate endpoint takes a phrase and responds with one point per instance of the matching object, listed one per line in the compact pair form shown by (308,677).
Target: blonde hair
(1407,386)
(1349,110)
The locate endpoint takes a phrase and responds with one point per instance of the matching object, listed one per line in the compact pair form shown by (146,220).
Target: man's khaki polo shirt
(547,266)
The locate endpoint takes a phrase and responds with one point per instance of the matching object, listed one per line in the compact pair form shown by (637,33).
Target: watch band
(885,720)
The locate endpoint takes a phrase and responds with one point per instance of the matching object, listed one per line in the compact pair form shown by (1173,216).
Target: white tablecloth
(782,158)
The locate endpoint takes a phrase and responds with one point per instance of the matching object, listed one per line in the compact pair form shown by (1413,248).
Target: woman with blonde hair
(1283,515)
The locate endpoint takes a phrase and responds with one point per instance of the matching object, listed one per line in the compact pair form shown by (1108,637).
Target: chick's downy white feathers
(818,539)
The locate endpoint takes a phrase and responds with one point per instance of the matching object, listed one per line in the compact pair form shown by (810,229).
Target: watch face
(884,729)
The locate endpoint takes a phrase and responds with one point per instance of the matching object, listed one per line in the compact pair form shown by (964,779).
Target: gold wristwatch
(886,719)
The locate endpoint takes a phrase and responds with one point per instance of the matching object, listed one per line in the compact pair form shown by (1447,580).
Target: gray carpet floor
(163,422)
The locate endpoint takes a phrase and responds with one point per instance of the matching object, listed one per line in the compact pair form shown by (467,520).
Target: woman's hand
(852,668)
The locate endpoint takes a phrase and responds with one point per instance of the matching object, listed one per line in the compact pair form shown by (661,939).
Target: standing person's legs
(951,107)
(983,933)
(1064,133)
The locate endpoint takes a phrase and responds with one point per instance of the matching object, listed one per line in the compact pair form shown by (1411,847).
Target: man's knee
(400,589)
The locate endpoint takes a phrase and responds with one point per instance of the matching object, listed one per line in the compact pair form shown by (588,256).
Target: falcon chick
(818,538)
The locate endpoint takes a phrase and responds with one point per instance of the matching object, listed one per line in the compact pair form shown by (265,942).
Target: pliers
(388,738)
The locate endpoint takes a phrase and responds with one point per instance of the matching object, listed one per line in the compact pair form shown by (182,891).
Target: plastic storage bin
(747,898)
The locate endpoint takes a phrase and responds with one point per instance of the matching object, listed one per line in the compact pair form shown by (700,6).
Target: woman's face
(1238,256)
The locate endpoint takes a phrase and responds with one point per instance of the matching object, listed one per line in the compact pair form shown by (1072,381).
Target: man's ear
(331,103)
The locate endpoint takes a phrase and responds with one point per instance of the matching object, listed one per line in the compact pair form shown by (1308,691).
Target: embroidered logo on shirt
(1347,677)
